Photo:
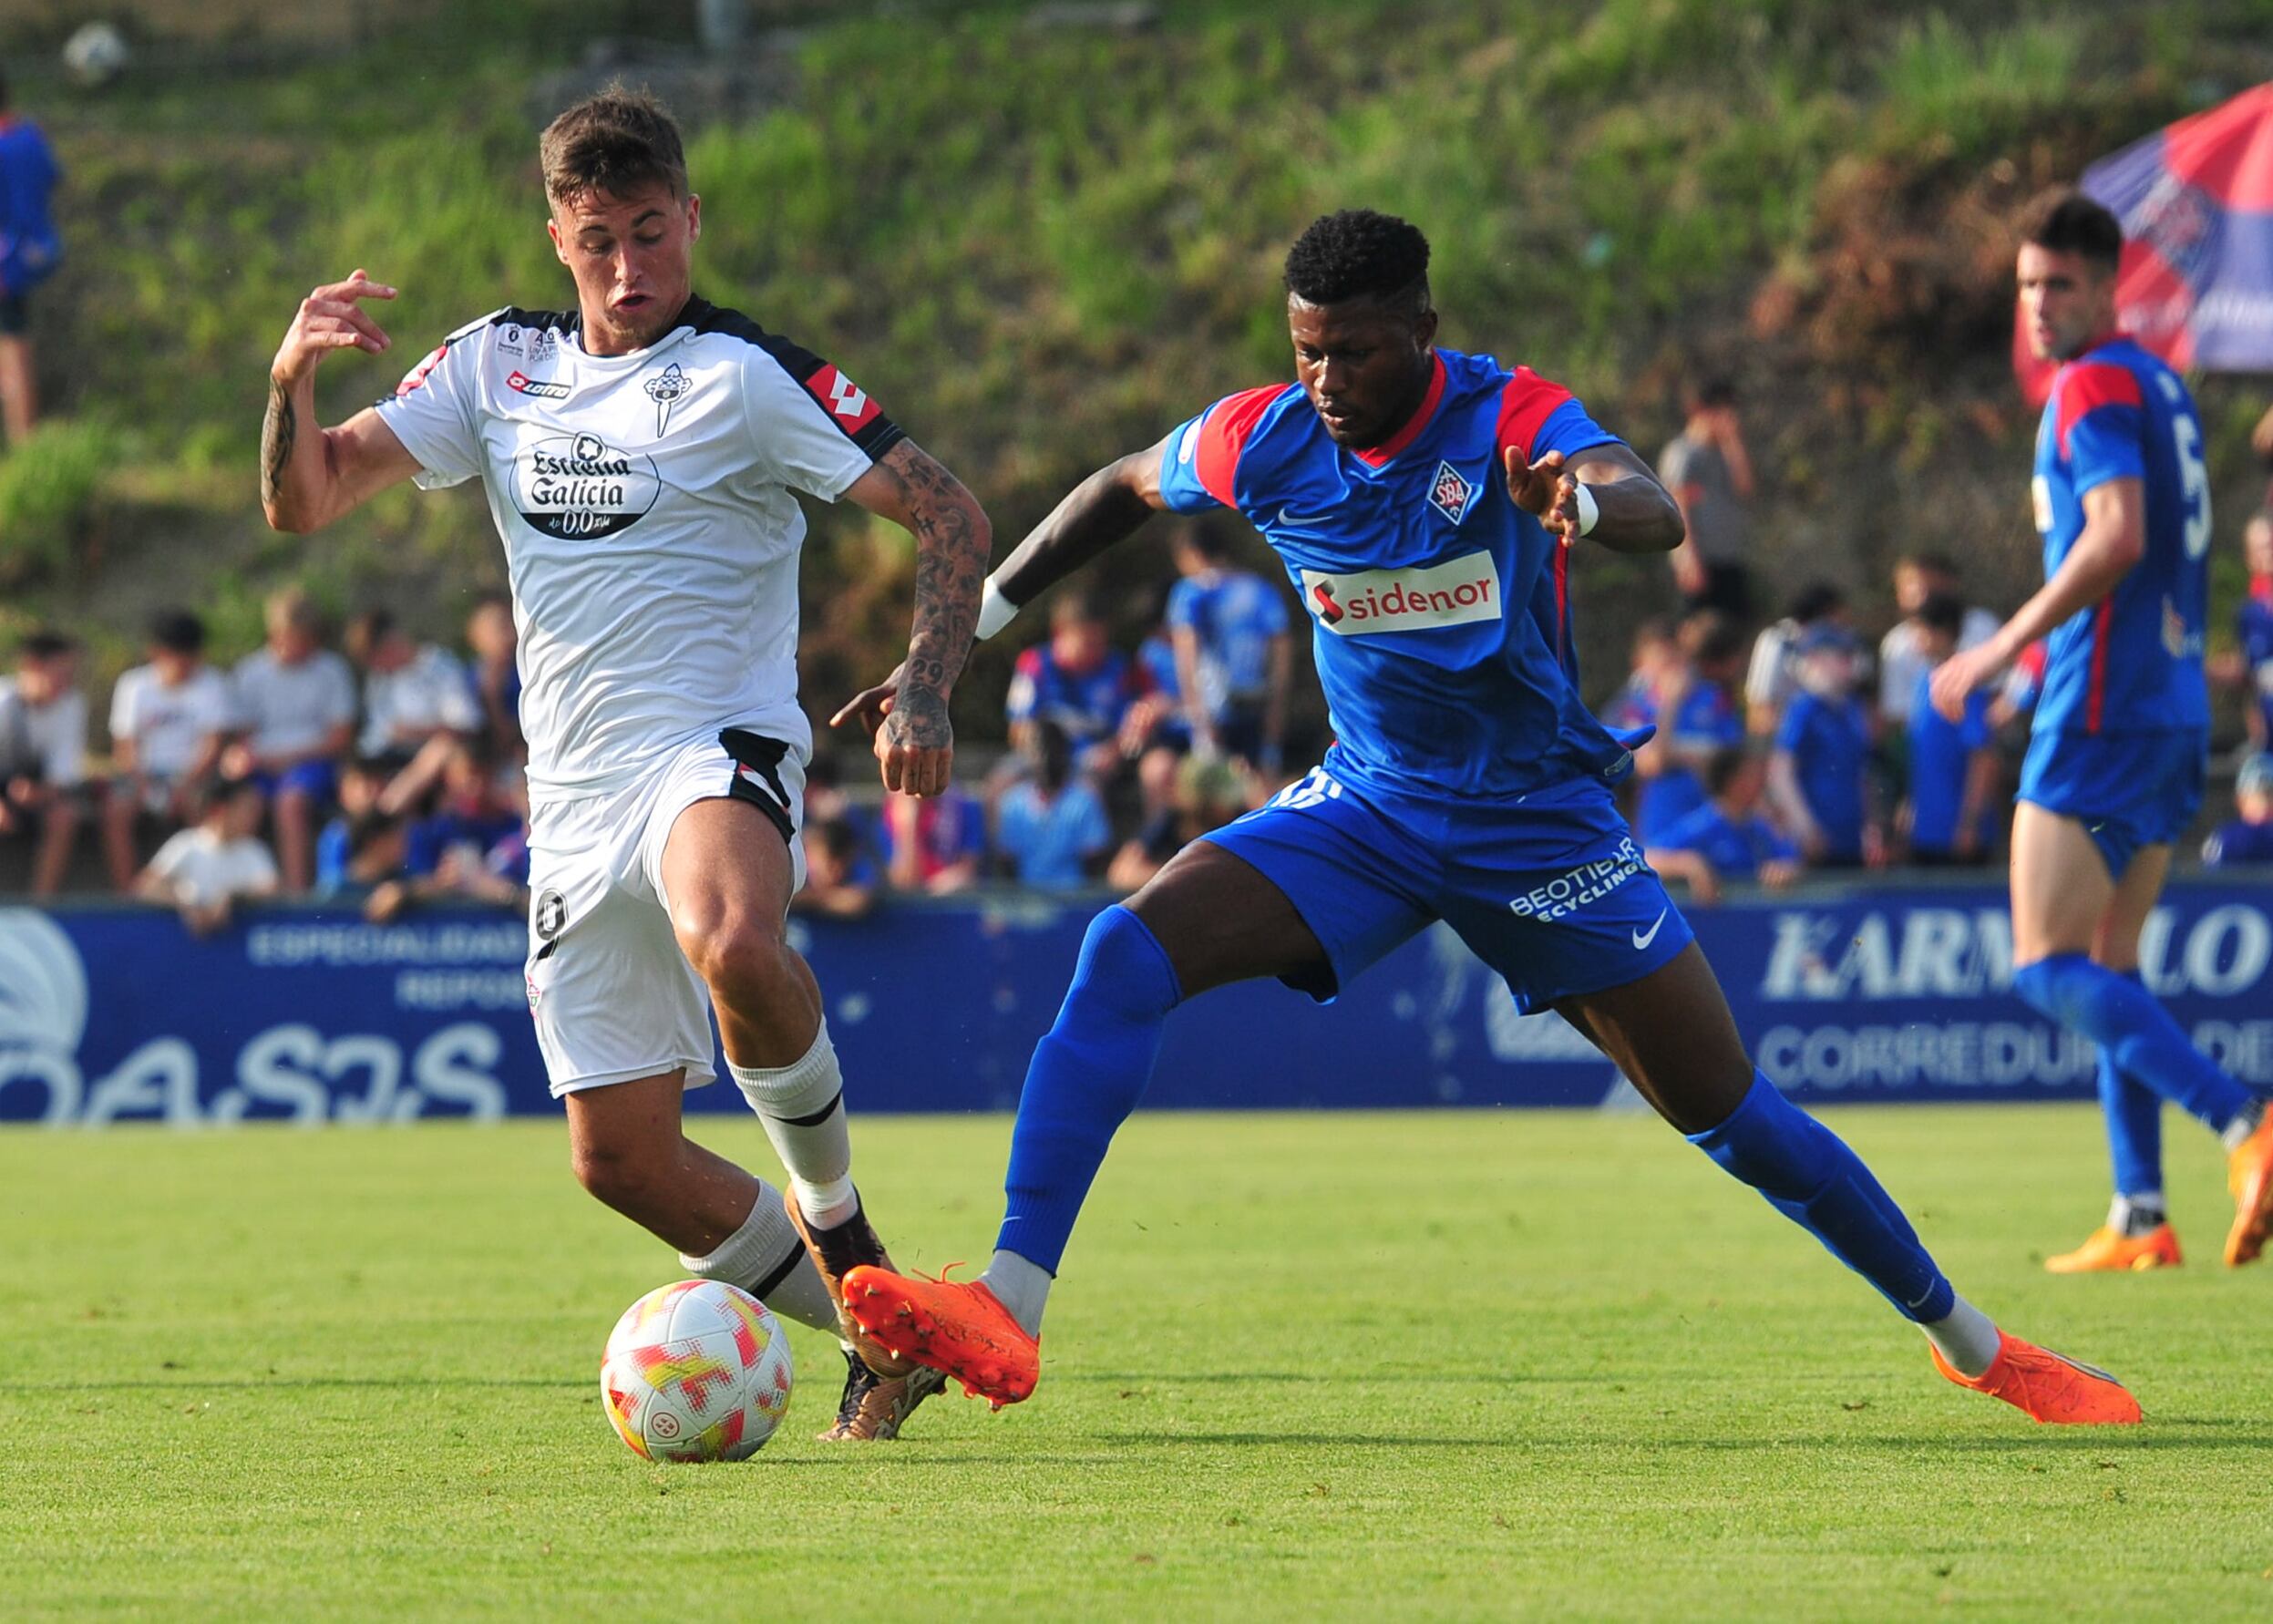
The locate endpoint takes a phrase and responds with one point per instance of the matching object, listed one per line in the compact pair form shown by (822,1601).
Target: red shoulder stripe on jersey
(2095,699)
(1223,436)
(2086,386)
(1376,455)
(1525,405)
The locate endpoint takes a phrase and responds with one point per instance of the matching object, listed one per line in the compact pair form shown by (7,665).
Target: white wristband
(995,611)
(1589,511)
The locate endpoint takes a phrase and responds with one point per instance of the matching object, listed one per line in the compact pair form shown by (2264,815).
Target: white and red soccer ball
(697,1371)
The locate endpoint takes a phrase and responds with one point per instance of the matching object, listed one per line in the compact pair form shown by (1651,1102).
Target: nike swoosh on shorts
(1643,939)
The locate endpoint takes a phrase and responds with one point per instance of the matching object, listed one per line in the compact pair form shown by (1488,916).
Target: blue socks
(2134,1032)
(1809,1176)
(2135,1123)
(1085,1079)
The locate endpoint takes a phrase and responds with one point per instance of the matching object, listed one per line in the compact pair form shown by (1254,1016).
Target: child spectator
(412,693)
(1726,838)
(1952,809)
(360,846)
(1208,795)
(1234,656)
(1918,576)
(1774,676)
(1697,715)
(1050,828)
(168,720)
(839,881)
(43,754)
(1076,682)
(933,844)
(203,870)
(497,675)
(472,847)
(1820,773)
(2250,837)
(295,703)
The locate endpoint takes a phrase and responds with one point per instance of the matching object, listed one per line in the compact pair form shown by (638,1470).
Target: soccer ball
(96,55)
(695,1371)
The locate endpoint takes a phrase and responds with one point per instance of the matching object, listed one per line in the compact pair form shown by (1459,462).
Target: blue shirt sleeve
(2107,443)
(1179,471)
(1183,609)
(1792,730)
(1569,430)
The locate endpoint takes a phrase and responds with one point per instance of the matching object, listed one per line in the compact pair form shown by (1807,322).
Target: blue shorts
(2129,790)
(318,780)
(1550,889)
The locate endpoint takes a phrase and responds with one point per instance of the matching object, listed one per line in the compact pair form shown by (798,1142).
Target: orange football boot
(2048,1386)
(2249,1175)
(2111,1249)
(961,1329)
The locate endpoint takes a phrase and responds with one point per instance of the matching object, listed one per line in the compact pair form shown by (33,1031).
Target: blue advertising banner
(1869,993)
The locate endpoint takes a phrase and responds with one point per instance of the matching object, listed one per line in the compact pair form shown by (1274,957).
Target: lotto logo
(842,398)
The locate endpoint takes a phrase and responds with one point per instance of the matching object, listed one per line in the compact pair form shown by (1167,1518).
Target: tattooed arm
(914,741)
(1103,508)
(310,475)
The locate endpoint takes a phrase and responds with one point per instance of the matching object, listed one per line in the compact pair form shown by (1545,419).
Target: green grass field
(1450,1365)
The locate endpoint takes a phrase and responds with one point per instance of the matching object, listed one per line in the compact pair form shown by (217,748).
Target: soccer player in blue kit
(2118,750)
(1423,502)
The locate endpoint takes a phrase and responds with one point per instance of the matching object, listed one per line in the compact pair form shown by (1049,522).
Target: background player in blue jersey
(1423,502)
(2121,739)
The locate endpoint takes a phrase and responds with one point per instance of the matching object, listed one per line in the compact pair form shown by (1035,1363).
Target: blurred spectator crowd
(388,772)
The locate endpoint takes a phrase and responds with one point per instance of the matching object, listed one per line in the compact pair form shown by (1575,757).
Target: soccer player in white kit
(640,452)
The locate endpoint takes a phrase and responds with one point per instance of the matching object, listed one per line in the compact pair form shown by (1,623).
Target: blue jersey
(1232,616)
(1830,745)
(1941,757)
(1734,849)
(2239,842)
(29,248)
(1438,609)
(1086,705)
(2257,647)
(1703,719)
(2131,662)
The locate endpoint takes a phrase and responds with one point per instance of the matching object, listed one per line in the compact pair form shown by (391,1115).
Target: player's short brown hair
(614,142)
(2067,221)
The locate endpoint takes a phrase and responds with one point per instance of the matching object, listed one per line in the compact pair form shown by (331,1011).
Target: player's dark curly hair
(614,142)
(1358,254)
(2068,221)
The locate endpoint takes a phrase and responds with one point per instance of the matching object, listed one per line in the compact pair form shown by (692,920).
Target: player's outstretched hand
(1544,491)
(870,706)
(330,319)
(1956,678)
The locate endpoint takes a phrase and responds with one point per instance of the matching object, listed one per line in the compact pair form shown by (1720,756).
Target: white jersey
(651,535)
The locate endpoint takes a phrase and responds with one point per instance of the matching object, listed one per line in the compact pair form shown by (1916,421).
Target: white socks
(1020,1285)
(2134,1215)
(765,1259)
(2245,1123)
(802,1105)
(1968,1338)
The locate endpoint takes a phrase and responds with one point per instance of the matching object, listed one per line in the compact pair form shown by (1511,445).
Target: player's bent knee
(1123,967)
(735,952)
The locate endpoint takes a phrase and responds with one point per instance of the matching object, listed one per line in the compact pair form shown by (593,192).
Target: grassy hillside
(1043,246)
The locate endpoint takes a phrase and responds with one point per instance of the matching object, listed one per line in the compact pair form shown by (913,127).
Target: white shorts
(613,998)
